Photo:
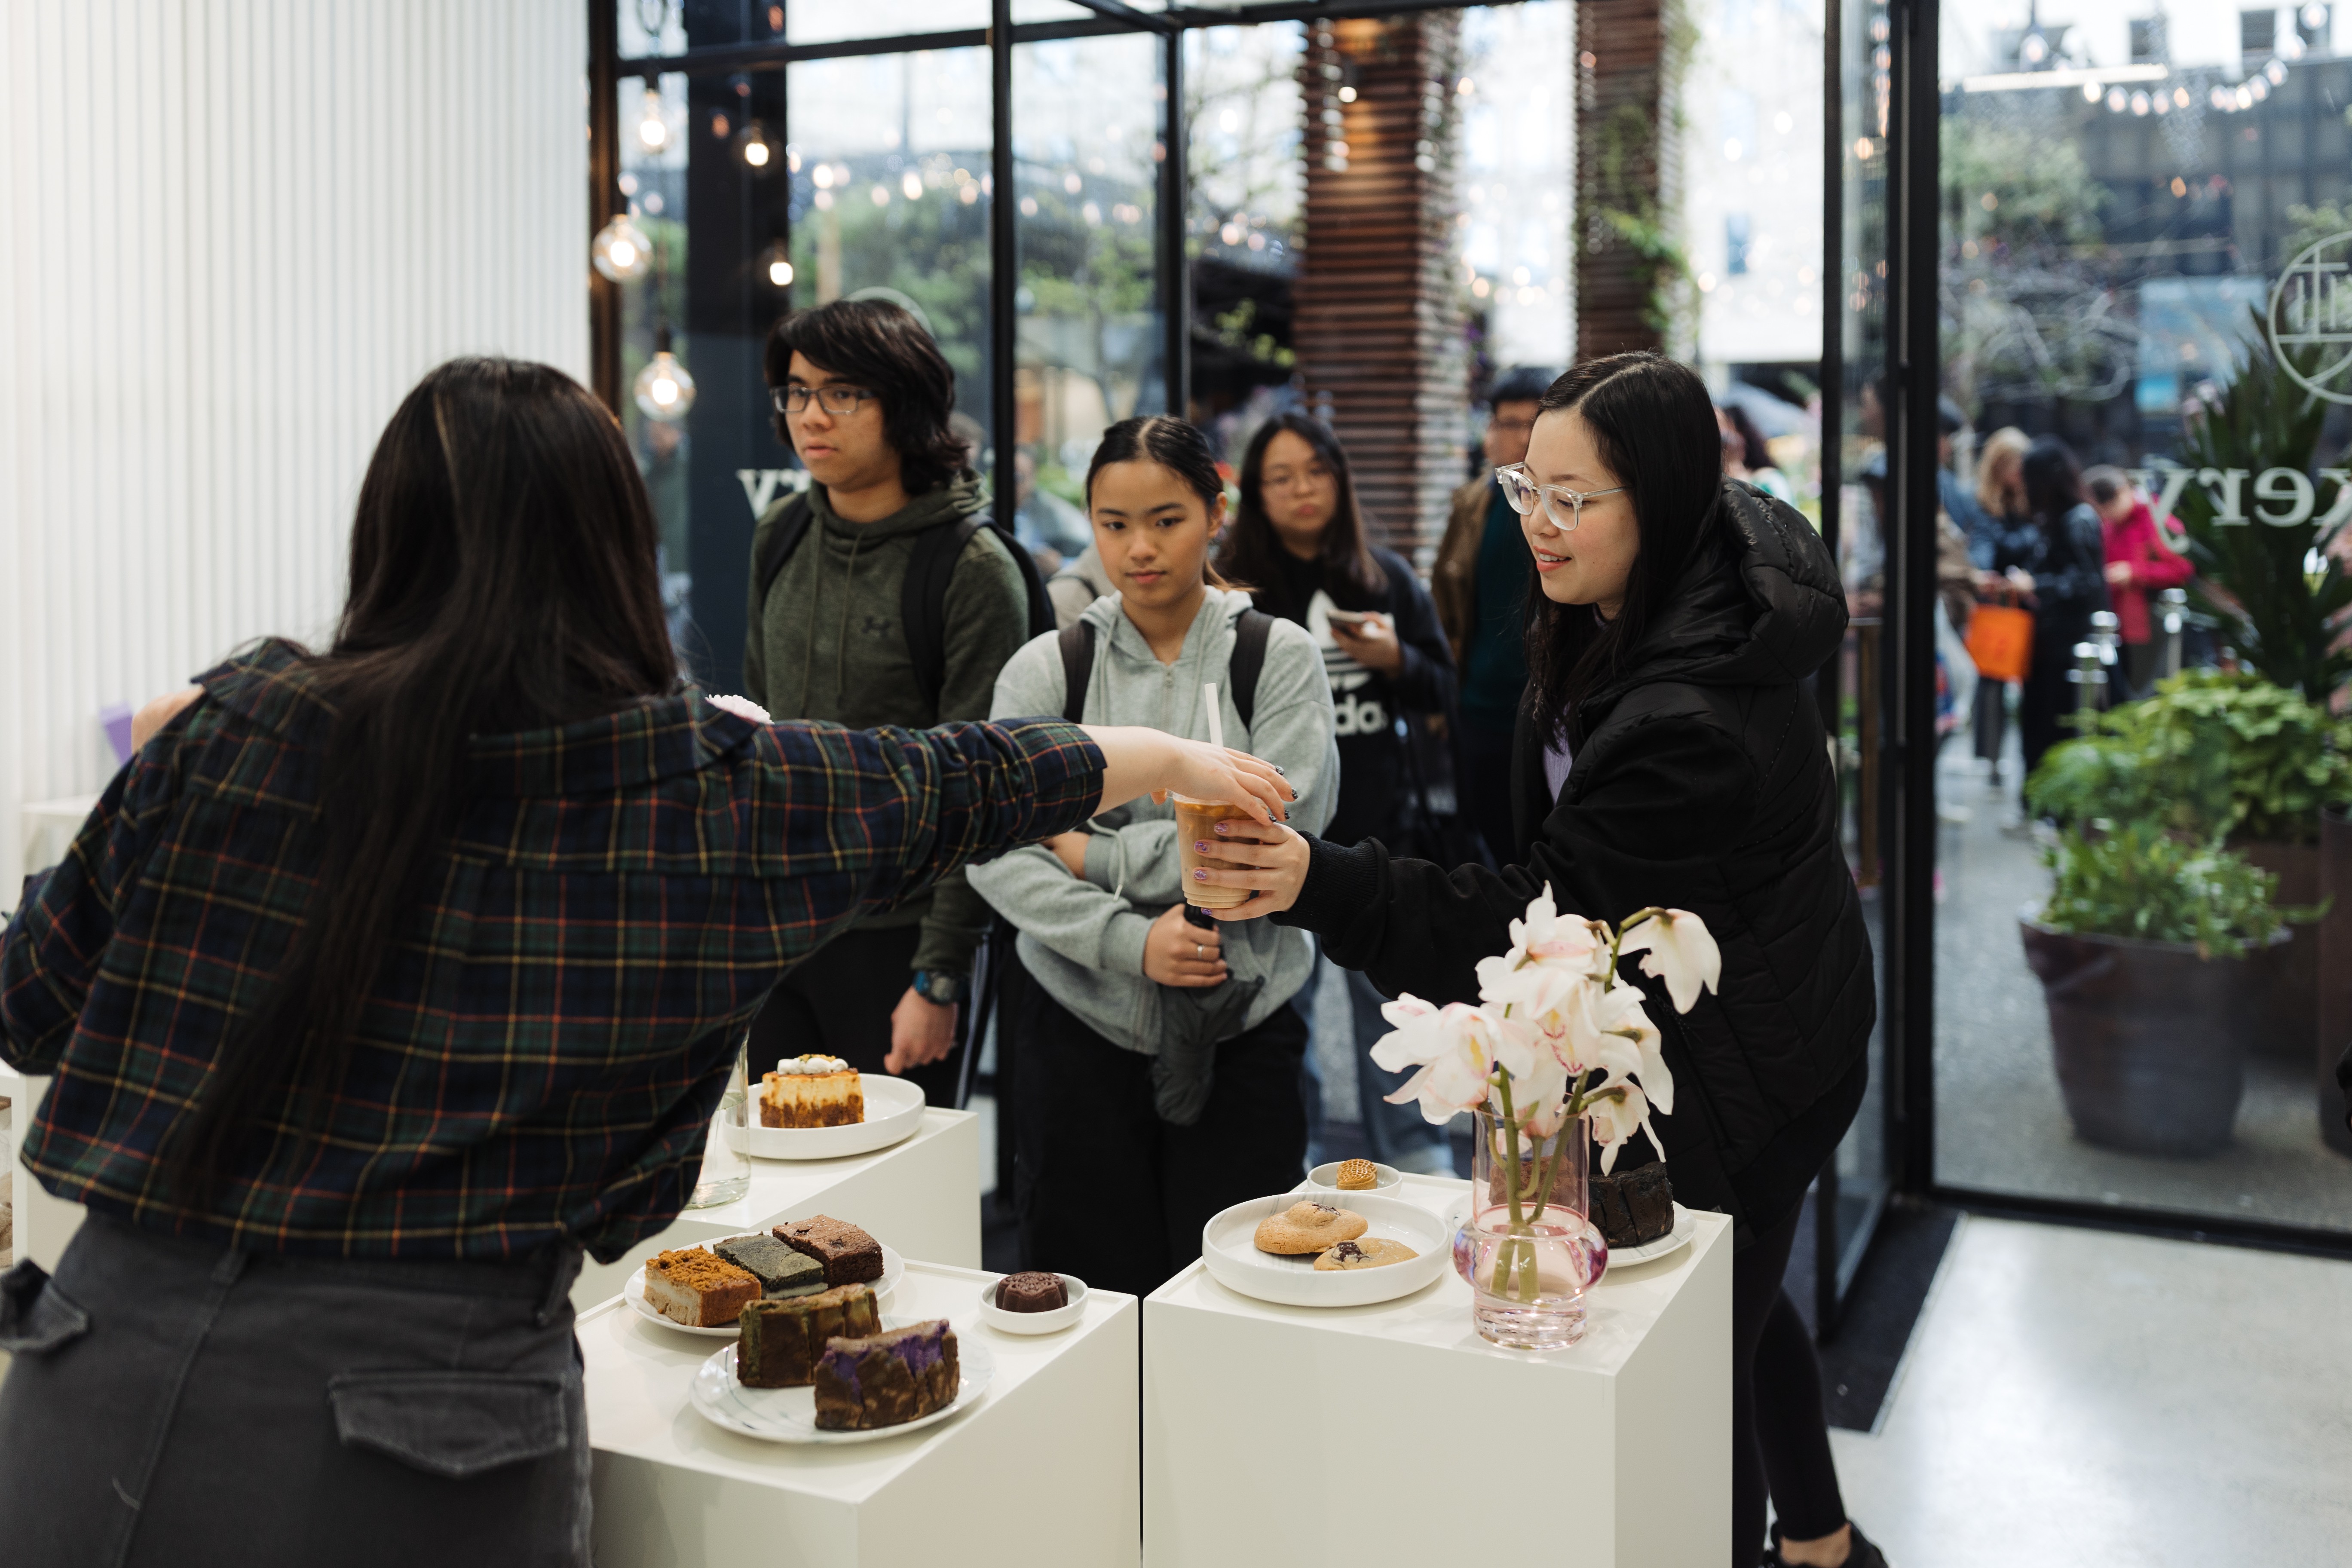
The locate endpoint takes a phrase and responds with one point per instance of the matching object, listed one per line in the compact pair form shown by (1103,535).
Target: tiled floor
(2084,1399)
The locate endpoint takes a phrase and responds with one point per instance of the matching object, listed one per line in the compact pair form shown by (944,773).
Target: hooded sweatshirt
(826,644)
(1083,940)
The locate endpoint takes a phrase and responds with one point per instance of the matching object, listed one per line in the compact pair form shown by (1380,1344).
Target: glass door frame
(1908,739)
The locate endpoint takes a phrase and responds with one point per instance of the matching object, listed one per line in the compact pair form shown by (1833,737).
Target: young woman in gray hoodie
(1157,1078)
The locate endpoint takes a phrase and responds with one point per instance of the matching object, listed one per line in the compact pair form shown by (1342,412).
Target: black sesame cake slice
(780,1270)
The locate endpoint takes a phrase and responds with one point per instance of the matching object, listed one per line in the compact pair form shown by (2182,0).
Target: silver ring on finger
(1199,952)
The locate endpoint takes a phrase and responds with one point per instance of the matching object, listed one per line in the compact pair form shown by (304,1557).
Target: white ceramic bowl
(894,1110)
(1229,1249)
(1325,1178)
(1053,1322)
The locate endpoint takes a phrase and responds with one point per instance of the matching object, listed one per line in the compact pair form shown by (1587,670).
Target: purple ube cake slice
(886,1379)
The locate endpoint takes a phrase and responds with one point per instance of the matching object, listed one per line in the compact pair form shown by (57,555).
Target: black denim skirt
(173,1402)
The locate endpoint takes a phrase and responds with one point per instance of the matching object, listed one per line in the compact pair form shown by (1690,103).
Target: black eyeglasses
(839,401)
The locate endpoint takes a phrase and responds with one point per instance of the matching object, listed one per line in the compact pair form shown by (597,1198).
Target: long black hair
(2054,482)
(502,578)
(1177,445)
(1252,550)
(881,347)
(1654,424)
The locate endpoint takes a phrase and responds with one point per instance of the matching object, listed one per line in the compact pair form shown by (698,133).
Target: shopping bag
(2001,641)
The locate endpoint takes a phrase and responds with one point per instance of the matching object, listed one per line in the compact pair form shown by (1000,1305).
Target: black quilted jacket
(1702,781)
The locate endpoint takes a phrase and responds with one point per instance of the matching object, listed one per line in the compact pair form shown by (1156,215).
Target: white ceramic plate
(1229,1249)
(789,1414)
(1325,1178)
(894,1110)
(634,1293)
(1052,1322)
(1674,1240)
(1685,1228)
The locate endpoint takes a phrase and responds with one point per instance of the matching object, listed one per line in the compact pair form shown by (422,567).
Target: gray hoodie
(1083,940)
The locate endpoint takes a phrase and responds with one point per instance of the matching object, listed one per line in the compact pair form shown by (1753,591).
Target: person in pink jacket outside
(2139,563)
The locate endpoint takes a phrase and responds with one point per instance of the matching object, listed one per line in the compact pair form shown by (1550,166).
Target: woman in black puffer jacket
(1670,753)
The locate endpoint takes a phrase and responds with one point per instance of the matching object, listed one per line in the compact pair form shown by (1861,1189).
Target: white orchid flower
(1547,939)
(1619,1013)
(1452,1045)
(1539,1095)
(1682,953)
(742,707)
(1617,1112)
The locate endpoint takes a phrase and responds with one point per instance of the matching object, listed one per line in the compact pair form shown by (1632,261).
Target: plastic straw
(1216,720)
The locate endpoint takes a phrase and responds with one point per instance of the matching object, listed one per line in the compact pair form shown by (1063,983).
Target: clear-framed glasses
(838,401)
(1563,506)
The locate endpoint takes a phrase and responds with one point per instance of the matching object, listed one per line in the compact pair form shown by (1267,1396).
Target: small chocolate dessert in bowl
(1033,1301)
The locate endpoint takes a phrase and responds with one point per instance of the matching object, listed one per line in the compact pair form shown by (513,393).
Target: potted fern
(2153,951)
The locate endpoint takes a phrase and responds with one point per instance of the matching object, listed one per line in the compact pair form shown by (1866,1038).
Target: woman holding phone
(1669,753)
(1298,536)
(1157,1080)
(384,981)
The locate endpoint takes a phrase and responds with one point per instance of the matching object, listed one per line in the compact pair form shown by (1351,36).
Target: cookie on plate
(1309,1226)
(1357,1176)
(1369,1253)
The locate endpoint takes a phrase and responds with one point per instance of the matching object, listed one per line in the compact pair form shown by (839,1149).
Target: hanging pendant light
(775,263)
(663,390)
(653,130)
(621,250)
(756,149)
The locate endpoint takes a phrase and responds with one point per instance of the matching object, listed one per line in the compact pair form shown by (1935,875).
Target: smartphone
(1350,617)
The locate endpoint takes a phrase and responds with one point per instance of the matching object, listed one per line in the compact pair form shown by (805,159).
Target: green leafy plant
(2212,755)
(2255,577)
(2143,883)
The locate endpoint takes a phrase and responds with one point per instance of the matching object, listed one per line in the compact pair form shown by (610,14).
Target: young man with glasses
(1480,583)
(838,632)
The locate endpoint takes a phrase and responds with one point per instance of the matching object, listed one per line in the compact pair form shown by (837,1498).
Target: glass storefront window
(2124,196)
(1090,340)
(1246,118)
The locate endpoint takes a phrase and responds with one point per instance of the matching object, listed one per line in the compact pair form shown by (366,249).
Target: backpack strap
(923,596)
(1077,643)
(792,525)
(1249,660)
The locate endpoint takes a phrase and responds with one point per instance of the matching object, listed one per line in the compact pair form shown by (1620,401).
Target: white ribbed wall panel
(237,233)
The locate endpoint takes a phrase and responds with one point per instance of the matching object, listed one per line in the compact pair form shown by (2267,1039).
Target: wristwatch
(941,989)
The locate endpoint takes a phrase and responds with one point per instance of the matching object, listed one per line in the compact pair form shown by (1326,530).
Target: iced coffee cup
(1196,821)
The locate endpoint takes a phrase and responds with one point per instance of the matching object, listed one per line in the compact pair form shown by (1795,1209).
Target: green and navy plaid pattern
(549,1039)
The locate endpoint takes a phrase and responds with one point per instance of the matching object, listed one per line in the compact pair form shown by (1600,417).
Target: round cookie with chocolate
(1369,1253)
(1309,1226)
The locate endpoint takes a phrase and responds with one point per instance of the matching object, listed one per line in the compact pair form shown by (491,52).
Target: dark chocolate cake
(850,1256)
(885,1380)
(782,1340)
(781,1270)
(1634,1207)
(1031,1292)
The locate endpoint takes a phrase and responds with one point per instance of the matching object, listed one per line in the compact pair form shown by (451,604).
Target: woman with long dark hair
(1670,753)
(383,981)
(1298,536)
(2061,575)
(1158,1060)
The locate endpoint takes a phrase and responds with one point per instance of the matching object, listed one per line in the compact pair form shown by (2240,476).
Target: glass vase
(726,1173)
(1526,1247)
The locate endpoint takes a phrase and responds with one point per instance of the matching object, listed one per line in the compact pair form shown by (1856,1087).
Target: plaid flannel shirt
(549,1039)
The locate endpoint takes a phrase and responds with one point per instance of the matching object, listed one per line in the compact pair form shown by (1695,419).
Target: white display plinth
(922,1196)
(1359,1436)
(1043,1471)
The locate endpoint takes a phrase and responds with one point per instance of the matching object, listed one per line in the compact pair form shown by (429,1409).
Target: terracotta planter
(2290,1011)
(2335,947)
(2149,1040)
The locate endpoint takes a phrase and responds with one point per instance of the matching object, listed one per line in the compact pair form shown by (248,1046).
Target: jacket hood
(1764,608)
(1107,615)
(958,497)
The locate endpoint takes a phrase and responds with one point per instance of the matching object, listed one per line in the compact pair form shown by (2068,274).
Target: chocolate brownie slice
(782,1340)
(850,1256)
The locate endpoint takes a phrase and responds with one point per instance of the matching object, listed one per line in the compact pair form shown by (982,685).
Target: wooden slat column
(1378,331)
(1625,166)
